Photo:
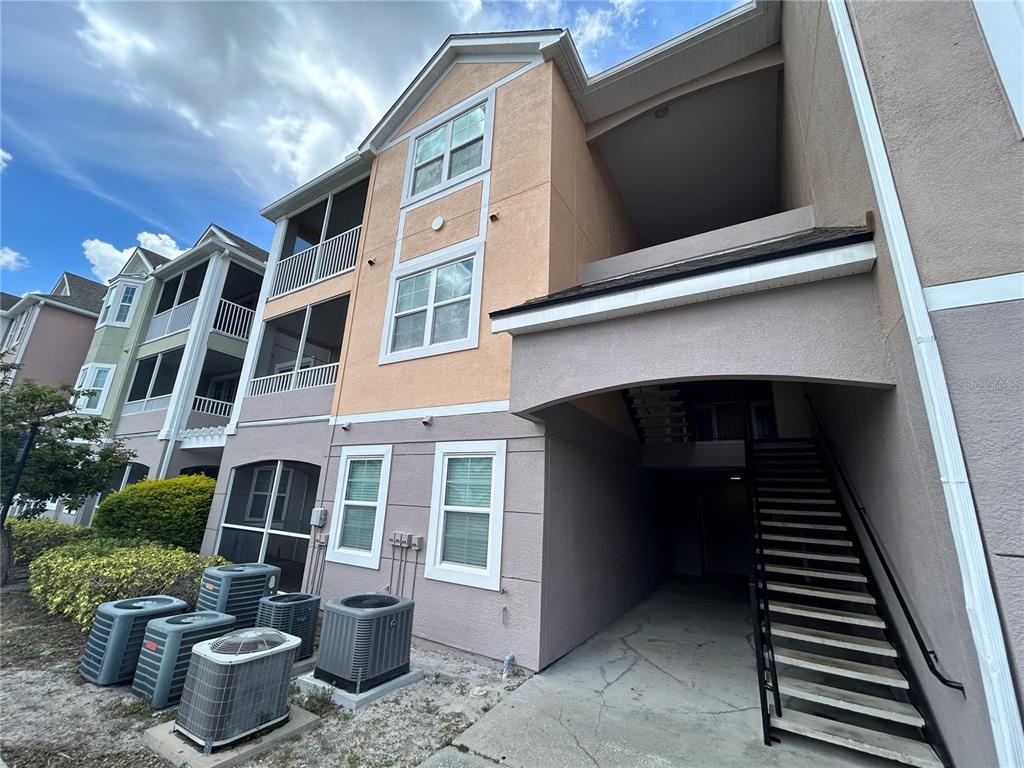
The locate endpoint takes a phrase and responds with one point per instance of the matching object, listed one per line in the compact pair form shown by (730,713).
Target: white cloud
(11,260)
(107,259)
(5,158)
(592,28)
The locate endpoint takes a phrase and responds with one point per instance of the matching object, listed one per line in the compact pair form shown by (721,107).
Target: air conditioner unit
(237,589)
(365,641)
(167,649)
(295,613)
(112,649)
(236,684)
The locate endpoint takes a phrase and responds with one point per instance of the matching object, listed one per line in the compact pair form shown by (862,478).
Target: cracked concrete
(671,683)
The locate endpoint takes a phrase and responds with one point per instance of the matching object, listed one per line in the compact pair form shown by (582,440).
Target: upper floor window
(119,304)
(95,378)
(433,307)
(449,152)
(17,329)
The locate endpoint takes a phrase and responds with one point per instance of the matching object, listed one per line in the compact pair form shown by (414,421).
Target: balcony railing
(317,376)
(329,258)
(172,320)
(233,319)
(213,407)
(150,404)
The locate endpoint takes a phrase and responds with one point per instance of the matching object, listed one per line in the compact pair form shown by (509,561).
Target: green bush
(30,538)
(73,580)
(171,512)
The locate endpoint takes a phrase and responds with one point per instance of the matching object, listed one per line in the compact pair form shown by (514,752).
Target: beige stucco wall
(461,82)
(461,214)
(515,258)
(950,136)
(314,294)
(588,218)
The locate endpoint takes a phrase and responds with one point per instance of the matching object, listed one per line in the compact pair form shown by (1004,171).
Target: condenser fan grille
(370,601)
(248,641)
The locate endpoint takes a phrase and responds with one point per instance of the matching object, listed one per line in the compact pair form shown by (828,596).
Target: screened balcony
(321,242)
(301,350)
(179,298)
(215,393)
(153,382)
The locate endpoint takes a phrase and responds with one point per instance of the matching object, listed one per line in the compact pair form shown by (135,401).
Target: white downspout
(982,613)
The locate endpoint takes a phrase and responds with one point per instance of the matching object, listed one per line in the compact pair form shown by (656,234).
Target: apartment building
(749,303)
(166,353)
(47,334)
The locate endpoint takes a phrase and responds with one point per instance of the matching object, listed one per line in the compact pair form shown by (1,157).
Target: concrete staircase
(839,674)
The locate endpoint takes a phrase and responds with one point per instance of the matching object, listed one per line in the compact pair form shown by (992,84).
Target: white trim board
(1002,22)
(348,556)
(805,268)
(971,293)
(281,422)
(463,409)
(980,604)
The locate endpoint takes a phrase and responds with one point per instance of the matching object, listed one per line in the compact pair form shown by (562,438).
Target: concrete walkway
(669,684)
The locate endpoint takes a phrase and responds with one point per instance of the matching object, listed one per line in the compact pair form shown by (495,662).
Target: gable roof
(743,31)
(229,237)
(83,293)
(155,259)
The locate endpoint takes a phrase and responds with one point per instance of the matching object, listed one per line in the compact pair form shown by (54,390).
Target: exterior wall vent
(365,641)
(237,589)
(167,649)
(115,639)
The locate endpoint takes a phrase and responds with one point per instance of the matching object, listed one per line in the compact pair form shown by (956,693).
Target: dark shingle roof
(244,245)
(83,293)
(793,245)
(8,300)
(154,258)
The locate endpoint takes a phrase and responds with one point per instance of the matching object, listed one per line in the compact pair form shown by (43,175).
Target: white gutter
(982,613)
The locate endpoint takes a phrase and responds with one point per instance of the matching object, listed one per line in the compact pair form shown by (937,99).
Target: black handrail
(759,597)
(930,656)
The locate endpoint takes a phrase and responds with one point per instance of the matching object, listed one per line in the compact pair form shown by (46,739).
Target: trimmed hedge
(171,512)
(30,538)
(73,580)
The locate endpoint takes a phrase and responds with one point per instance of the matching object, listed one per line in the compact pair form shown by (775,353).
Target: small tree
(68,457)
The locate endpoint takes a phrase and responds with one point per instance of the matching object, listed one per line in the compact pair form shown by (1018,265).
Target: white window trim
(90,373)
(112,303)
(487,102)
(457,252)
(434,568)
(271,493)
(359,557)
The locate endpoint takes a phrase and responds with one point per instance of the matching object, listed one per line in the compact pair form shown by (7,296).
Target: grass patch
(317,702)
(128,707)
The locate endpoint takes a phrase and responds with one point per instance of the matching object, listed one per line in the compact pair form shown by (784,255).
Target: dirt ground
(51,718)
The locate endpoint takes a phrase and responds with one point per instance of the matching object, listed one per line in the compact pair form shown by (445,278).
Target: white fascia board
(971,293)
(805,268)
(463,409)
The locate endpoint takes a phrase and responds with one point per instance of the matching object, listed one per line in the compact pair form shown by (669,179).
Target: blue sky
(128,123)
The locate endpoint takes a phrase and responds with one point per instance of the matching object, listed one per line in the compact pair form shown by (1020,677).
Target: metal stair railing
(764,652)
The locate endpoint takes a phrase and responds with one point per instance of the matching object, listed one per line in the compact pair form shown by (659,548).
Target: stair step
(768,489)
(802,512)
(828,614)
(807,540)
(784,500)
(820,481)
(814,573)
(822,592)
(851,701)
(800,554)
(870,673)
(835,640)
(804,526)
(793,470)
(878,743)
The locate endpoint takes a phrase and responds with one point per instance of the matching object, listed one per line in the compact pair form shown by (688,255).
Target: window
(96,378)
(122,295)
(468,503)
(17,328)
(360,505)
(259,494)
(449,152)
(434,309)
(125,307)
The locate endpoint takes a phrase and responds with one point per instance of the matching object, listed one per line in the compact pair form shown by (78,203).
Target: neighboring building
(7,303)
(166,354)
(531,325)
(47,334)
